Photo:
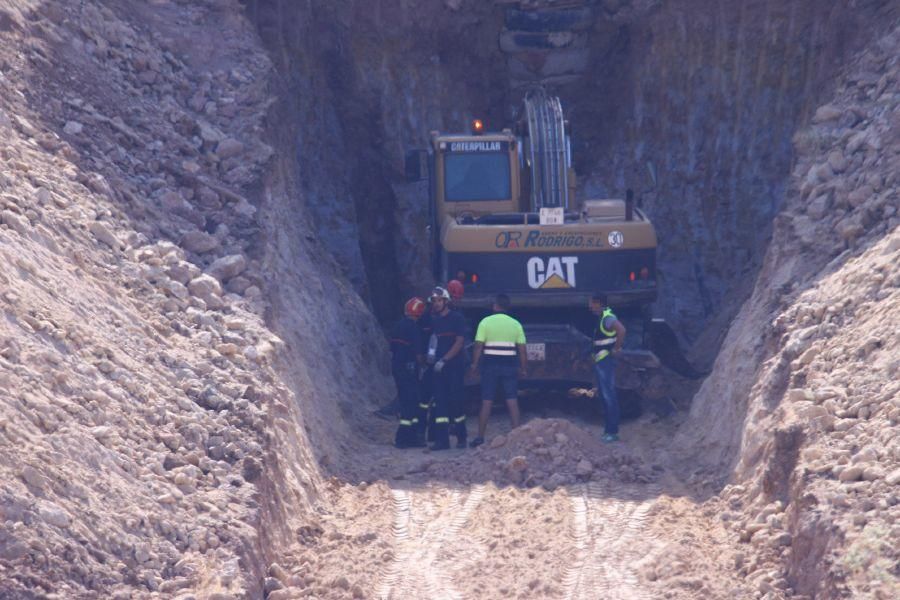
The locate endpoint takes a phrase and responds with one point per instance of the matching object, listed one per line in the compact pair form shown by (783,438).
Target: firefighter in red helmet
(456,290)
(406,345)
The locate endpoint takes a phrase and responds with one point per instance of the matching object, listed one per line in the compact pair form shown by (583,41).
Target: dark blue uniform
(406,344)
(448,384)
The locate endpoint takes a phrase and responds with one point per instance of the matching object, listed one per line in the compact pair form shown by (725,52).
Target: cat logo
(558,272)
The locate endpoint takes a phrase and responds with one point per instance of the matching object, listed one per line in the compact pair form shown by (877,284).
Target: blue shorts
(494,376)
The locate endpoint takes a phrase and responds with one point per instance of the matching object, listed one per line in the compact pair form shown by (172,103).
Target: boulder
(17,222)
(852,473)
(228,148)
(199,242)
(826,113)
(517,464)
(849,229)
(856,142)
(859,196)
(205,286)
(238,285)
(837,161)
(800,395)
(497,442)
(818,207)
(182,272)
(53,514)
(584,468)
(104,235)
(227,267)
(73,128)
(893,478)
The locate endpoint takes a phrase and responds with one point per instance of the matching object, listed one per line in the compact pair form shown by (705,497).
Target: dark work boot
(402,438)
(420,439)
(461,433)
(441,438)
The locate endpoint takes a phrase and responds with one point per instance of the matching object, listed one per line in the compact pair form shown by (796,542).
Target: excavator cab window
(473,176)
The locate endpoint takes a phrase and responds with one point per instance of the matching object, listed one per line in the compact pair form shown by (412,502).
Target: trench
(693,105)
(255,467)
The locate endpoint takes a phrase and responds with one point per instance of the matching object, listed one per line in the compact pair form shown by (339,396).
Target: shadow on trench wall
(367,81)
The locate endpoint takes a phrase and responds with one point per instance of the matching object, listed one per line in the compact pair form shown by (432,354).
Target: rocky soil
(804,400)
(137,371)
(188,359)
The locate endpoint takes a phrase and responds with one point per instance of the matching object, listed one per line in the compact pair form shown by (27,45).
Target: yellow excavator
(504,218)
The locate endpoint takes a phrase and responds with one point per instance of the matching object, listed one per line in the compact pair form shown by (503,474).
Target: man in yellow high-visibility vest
(501,340)
(608,337)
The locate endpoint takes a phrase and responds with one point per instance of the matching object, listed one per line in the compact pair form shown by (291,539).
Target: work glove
(438,366)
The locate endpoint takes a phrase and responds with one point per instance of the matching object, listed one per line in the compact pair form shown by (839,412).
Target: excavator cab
(475,174)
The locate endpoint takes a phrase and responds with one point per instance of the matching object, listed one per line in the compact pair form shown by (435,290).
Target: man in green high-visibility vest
(501,340)
(608,337)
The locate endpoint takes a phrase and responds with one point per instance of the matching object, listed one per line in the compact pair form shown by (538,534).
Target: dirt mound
(544,452)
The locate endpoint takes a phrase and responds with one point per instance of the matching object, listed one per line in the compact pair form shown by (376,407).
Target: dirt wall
(802,402)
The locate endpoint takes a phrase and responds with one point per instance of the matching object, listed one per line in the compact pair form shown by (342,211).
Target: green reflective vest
(604,339)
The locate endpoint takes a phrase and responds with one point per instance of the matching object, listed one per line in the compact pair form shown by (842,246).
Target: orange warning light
(477,126)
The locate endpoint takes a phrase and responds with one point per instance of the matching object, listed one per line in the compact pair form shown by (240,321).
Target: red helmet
(456,289)
(414,307)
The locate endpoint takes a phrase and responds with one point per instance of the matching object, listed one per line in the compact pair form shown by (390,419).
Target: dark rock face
(694,106)
(371,81)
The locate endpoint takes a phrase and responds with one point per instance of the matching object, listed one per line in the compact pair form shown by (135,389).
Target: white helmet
(440,292)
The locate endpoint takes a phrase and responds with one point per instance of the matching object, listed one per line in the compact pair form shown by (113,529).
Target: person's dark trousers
(443,393)
(426,385)
(408,393)
(605,370)
(457,403)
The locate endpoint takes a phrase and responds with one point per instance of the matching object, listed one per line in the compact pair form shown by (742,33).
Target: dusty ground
(159,440)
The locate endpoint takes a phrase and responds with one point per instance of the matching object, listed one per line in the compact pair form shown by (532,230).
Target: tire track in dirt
(606,528)
(422,530)
(401,536)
